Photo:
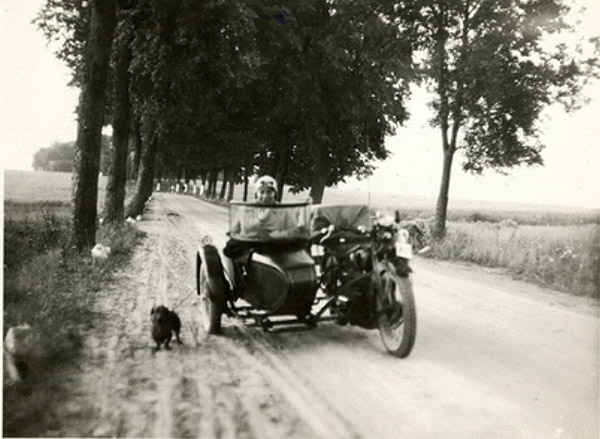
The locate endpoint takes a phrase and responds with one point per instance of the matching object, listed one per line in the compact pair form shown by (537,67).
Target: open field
(29,186)
(36,186)
(458,210)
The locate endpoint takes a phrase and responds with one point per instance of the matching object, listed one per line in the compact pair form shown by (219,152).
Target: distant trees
(59,157)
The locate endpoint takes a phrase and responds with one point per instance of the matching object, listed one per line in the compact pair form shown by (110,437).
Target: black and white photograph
(333,219)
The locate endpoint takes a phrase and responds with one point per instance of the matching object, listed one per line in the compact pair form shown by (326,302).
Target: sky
(37,109)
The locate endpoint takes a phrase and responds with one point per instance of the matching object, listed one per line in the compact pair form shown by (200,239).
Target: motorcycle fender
(208,260)
(402,267)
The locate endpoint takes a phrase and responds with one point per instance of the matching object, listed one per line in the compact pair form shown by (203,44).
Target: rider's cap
(265,181)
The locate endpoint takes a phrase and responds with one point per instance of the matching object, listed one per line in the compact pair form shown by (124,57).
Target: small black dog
(164,323)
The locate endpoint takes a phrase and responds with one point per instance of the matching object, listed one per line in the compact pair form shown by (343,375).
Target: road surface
(493,358)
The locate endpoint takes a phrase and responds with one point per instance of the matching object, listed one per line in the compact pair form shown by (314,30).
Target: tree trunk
(143,184)
(226,172)
(439,230)
(231,185)
(246,178)
(212,183)
(115,189)
(137,147)
(281,172)
(320,174)
(92,101)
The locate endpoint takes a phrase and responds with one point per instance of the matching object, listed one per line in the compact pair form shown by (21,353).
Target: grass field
(37,186)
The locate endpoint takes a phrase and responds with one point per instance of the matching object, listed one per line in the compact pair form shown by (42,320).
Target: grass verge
(54,294)
(563,257)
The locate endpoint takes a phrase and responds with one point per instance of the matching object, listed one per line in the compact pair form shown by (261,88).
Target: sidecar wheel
(211,311)
(398,321)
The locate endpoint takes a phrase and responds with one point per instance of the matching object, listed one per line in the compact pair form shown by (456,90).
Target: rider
(257,222)
(266,190)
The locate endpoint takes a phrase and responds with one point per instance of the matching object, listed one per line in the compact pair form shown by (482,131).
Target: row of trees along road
(305,91)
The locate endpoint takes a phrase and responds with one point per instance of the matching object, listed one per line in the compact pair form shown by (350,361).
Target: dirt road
(494,358)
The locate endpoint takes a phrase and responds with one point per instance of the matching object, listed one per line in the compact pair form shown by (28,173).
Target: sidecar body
(266,269)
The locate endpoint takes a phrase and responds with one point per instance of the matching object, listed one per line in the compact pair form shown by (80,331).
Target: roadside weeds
(54,294)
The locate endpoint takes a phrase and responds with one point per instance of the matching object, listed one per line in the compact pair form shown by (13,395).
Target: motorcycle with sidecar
(291,266)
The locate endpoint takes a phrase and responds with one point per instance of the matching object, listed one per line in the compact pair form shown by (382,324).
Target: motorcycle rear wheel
(398,321)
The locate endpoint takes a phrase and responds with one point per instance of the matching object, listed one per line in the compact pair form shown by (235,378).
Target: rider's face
(266,195)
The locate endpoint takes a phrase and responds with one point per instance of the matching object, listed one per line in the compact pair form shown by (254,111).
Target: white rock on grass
(130,220)
(16,337)
(138,218)
(16,342)
(100,252)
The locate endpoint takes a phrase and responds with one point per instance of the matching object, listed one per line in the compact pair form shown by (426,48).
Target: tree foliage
(492,75)
(337,75)
(67,22)
(58,157)
(308,91)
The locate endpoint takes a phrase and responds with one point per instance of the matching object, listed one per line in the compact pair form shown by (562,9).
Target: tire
(210,310)
(398,321)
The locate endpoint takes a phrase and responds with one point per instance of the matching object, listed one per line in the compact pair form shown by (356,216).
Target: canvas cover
(341,216)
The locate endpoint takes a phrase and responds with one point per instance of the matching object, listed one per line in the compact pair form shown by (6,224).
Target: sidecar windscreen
(259,223)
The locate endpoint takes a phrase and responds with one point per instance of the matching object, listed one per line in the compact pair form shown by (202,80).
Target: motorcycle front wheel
(398,320)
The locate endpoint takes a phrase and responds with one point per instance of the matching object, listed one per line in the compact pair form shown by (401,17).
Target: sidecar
(265,275)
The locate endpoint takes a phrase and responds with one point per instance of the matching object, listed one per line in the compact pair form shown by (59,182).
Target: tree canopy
(305,91)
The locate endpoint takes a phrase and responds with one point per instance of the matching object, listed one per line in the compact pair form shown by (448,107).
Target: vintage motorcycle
(291,266)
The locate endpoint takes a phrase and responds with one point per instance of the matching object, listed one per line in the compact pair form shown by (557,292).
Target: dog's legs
(167,341)
(178,339)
